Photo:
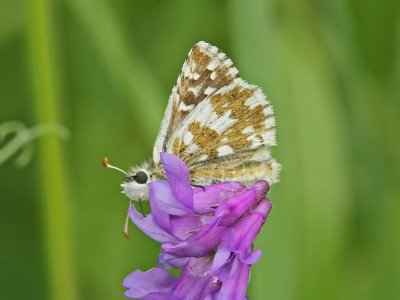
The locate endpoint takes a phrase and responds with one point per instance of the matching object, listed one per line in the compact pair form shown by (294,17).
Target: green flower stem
(55,204)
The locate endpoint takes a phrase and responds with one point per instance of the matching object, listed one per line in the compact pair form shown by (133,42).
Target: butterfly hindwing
(237,118)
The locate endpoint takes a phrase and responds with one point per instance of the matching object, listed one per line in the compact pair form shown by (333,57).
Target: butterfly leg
(126,226)
(141,207)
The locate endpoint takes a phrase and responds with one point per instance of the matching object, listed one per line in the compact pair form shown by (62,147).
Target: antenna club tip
(126,235)
(105,162)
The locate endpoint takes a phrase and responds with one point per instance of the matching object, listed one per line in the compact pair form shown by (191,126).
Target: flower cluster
(206,232)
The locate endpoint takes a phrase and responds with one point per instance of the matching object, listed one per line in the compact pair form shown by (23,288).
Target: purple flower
(207,233)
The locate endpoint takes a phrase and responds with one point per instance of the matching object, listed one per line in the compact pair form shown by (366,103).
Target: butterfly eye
(140,177)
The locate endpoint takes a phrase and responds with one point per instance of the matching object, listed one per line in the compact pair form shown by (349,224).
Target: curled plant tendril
(22,139)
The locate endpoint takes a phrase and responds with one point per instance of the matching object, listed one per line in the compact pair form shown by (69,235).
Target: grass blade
(55,204)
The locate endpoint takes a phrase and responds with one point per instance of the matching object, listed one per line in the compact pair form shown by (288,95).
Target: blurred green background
(104,70)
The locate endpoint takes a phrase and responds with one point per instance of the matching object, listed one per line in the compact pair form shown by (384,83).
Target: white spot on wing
(268,110)
(213,75)
(227,88)
(221,124)
(205,109)
(233,72)
(193,148)
(188,138)
(269,138)
(269,122)
(256,99)
(203,44)
(255,141)
(213,64)
(228,62)
(184,107)
(185,69)
(224,139)
(209,90)
(203,157)
(224,150)
(213,50)
(248,129)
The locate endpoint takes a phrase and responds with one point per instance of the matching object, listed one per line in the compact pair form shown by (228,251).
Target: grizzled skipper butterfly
(219,125)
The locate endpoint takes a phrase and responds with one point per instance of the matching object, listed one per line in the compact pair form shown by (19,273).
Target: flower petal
(184,226)
(163,204)
(261,188)
(199,244)
(159,296)
(178,176)
(168,261)
(244,233)
(196,280)
(162,195)
(263,208)
(205,199)
(234,287)
(234,208)
(251,258)
(221,257)
(143,283)
(150,227)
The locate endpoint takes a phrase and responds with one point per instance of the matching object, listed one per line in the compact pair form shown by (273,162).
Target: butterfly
(219,125)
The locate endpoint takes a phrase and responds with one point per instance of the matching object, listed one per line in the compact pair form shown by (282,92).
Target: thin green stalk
(52,176)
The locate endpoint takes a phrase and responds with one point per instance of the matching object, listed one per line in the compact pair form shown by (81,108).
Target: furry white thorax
(134,190)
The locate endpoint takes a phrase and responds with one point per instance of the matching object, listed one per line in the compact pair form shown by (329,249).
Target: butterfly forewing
(205,70)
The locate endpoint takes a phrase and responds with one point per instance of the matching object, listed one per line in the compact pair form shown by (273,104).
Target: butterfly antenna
(126,226)
(107,165)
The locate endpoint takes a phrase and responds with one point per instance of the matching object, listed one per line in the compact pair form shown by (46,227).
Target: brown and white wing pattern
(205,71)
(228,135)
(221,126)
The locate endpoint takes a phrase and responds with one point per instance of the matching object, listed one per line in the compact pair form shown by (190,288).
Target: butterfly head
(135,185)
